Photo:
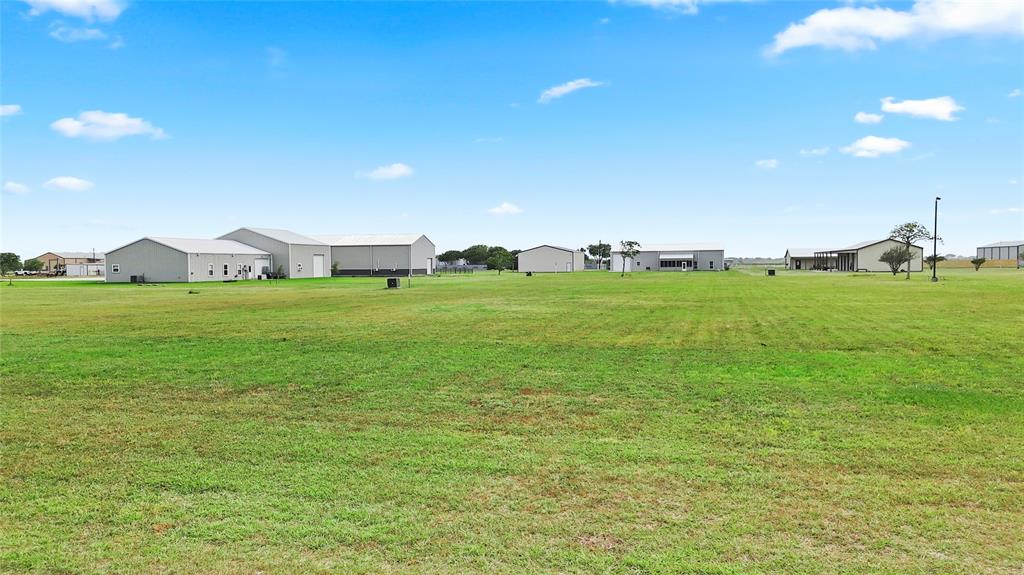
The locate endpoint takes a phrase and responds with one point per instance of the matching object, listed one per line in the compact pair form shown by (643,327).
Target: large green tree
(500,259)
(476,255)
(32,265)
(600,252)
(9,262)
(909,233)
(450,256)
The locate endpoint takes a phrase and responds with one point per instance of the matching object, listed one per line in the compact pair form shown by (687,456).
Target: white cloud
(1015,93)
(866,118)
(16,188)
(10,110)
(68,184)
(117,44)
(941,108)
(1013,181)
(555,92)
(69,34)
(604,21)
(767,164)
(390,172)
(88,10)
(815,151)
(505,209)
(683,6)
(1001,211)
(106,126)
(875,146)
(276,56)
(852,28)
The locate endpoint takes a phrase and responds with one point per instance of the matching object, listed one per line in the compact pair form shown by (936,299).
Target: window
(711,264)
(115,268)
(210,270)
(225,270)
(239,270)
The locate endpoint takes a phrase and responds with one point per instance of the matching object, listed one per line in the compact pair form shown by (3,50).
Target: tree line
(11,262)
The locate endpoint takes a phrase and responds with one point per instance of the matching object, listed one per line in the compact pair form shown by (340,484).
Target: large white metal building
(1010,250)
(379,254)
(295,255)
(672,258)
(864,257)
(547,258)
(185,260)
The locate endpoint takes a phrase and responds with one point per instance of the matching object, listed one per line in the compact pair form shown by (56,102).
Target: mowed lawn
(571,423)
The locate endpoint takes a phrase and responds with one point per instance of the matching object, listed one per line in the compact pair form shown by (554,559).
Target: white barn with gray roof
(548,258)
(379,254)
(156,259)
(295,255)
(672,258)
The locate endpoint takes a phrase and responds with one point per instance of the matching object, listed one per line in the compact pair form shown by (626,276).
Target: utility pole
(935,242)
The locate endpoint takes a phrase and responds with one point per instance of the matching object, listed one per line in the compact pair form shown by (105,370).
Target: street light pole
(935,241)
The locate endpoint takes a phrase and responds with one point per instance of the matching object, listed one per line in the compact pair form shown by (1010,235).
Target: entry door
(261,266)
(318,265)
(568,266)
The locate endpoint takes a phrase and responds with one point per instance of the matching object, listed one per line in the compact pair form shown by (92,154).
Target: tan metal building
(71,262)
(546,258)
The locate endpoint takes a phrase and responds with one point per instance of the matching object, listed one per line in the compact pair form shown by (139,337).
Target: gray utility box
(394,283)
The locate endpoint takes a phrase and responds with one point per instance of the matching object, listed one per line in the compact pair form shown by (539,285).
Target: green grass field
(578,423)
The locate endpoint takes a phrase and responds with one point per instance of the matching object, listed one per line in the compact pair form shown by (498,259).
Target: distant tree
(600,252)
(895,257)
(450,256)
(32,265)
(977,263)
(628,249)
(9,262)
(476,255)
(930,260)
(500,259)
(909,233)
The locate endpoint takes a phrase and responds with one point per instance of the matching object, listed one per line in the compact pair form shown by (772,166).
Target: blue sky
(689,121)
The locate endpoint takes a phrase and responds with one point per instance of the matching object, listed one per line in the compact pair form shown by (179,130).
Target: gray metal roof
(1007,244)
(687,247)
(864,244)
(203,246)
(285,236)
(549,246)
(369,239)
(802,252)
